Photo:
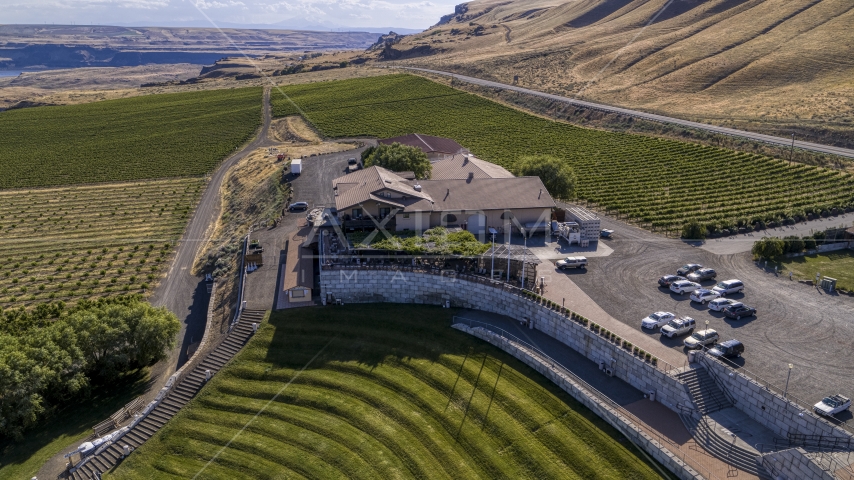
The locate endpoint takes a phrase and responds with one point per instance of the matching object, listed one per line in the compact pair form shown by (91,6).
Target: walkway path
(816,147)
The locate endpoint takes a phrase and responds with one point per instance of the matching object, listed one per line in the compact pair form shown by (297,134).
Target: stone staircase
(179,396)
(703,390)
(717,444)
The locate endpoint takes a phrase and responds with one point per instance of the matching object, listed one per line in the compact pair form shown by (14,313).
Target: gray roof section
(461,166)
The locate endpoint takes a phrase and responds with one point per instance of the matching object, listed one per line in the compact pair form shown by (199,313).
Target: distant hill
(768,65)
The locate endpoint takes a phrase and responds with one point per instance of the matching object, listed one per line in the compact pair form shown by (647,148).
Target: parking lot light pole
(786,391)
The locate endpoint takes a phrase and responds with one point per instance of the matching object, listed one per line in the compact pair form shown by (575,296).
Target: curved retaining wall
(614,418)
(436,287)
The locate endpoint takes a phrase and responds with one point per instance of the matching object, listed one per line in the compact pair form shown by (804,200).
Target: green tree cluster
(694,230)
(557,175)
(769,247)
(50,365)
(398,158)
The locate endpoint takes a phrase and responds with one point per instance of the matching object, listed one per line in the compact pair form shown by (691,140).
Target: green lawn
(152,136)
(838,265)
(68,426)
(642,178)
(388,391)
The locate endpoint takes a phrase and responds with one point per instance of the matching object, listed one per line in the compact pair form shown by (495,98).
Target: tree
(557,175)
(794,244)
(769,248)
(55,362)
(694,230)
(400,158)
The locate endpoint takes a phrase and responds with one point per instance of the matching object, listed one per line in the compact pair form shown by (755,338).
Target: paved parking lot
(796,324)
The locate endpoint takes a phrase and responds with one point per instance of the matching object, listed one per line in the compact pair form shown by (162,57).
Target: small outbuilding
(299,271)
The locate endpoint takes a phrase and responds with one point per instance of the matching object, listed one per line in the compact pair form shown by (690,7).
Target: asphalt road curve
(815,147)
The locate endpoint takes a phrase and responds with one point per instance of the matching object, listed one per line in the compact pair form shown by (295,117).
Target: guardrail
(774,389)
(242,282)
(696,462)
(506,287)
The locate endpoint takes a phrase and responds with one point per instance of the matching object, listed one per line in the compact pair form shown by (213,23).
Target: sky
(415,14)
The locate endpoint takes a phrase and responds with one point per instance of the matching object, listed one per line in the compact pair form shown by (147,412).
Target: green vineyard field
(68,243)
(380,391)
(155,136)
(657,183)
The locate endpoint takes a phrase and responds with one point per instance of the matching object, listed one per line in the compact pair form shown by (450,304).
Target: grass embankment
(388,391)
(155,136)
(838,265)
(647,180)
(63,244)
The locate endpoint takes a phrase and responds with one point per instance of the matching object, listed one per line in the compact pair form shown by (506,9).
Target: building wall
(416,221)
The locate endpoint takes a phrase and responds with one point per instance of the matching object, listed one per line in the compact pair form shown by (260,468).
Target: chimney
(417,187)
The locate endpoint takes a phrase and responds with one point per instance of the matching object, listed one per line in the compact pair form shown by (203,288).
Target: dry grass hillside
(775,66)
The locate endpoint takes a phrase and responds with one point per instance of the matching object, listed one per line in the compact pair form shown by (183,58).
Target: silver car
(701,339)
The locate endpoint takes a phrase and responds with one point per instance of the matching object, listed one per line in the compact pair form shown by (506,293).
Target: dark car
(684,270)
(666,280)
(728,349)
(739,310)
(702,275)
(297,206)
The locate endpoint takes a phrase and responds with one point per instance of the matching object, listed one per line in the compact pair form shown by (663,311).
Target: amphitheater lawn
(657,183)
(67,243)
(153,136)
(389,391)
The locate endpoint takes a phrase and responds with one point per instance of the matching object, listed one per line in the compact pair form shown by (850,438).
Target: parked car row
(715,296)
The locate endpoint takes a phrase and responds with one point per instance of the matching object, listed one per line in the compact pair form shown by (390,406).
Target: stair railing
(705,362)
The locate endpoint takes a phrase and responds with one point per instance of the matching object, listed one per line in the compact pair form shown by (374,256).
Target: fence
(697,461)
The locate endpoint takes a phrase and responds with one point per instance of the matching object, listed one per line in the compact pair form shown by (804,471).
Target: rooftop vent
(417,187)
(471,176)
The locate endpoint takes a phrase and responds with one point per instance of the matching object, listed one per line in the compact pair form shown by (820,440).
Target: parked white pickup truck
(572,262)
(832,405)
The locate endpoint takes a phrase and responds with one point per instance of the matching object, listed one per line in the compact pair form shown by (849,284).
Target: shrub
(693,230)
(768,247)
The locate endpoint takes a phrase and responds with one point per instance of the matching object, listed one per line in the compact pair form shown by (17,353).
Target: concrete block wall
(614,418)
(404,286)
(793,464)
(770,408)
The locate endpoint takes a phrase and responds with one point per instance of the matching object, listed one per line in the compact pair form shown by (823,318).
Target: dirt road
(181,292)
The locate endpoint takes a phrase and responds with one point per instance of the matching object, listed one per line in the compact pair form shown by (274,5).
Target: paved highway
(815,147)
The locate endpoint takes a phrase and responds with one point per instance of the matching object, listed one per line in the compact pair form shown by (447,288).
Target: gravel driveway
(796,324)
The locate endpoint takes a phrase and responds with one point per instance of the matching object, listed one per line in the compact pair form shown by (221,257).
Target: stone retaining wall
(591,401)
(768,407)
(366,285)
(793,464)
